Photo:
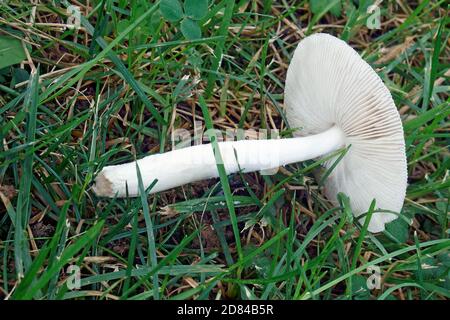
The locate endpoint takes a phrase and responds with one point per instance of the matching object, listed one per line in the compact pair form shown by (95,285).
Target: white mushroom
(337,100)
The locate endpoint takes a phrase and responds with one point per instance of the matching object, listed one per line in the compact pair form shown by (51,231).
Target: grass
(107,94)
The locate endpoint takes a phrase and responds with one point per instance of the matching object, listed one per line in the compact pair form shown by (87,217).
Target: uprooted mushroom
(337,100)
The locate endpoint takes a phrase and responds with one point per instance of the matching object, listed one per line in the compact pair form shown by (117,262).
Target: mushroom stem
(191,164)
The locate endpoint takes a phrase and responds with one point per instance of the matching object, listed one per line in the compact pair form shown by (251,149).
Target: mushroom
(338,101)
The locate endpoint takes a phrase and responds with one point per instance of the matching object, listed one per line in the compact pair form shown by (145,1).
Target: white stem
(182,166)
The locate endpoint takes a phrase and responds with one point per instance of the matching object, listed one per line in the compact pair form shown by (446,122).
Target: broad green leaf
(196,9)
(190,29)
(359,288)
(11,51)
(398,229)
(20,75)
(336,10)
(171,10)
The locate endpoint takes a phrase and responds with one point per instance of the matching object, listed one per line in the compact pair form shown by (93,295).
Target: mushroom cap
(329,84)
